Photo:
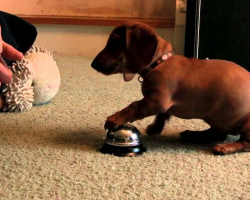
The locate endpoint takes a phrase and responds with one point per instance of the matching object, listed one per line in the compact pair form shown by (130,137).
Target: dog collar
(160,60)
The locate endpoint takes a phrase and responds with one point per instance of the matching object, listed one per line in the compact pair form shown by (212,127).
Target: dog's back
(217,91)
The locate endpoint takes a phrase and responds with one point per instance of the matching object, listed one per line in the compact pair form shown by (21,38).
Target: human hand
(9,52)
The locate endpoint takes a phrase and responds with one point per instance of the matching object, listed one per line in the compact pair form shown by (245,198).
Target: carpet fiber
(50,152)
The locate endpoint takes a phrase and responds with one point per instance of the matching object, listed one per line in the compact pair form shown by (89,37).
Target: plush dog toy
(216,91)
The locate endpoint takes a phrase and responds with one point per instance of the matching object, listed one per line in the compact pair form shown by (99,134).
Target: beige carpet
(50,151)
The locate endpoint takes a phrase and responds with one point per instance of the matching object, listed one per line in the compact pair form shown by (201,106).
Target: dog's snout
(105,63)
(95,64)
(99,62)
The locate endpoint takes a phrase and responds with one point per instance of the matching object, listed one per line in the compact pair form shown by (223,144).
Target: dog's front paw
(220,149)
(228,148)
(111,123)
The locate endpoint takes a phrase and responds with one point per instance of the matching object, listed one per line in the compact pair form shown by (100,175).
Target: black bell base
(122,151)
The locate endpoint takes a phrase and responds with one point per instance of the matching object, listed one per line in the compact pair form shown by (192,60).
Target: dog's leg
(138,110)
(241,145)
(157,126)
(209,135)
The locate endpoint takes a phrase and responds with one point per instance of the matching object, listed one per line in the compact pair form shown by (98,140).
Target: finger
(10,52)
(5,73)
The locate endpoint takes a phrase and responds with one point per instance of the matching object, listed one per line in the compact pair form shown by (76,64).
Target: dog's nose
(95,64)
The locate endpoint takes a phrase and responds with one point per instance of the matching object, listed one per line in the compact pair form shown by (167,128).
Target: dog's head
(129,49)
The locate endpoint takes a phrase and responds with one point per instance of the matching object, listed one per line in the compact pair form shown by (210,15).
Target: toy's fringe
(37,49)
(19,97)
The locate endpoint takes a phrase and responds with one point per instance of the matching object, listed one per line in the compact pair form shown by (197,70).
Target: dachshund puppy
(216,91)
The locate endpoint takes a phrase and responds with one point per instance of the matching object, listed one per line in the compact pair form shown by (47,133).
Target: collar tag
(160,60)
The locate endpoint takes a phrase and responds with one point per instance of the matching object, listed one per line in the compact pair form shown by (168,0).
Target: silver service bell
(125,140)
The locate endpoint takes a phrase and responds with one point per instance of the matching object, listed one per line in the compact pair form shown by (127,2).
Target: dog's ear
(141,45)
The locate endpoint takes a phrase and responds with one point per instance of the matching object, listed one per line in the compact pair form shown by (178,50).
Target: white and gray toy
(36,80)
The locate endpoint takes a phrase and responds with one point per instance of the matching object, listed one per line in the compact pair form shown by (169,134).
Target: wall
(157,13)
(80,40)
(158,9)
(180,27)
(89,40)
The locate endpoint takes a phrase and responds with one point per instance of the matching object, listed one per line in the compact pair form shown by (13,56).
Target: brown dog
(215,91)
